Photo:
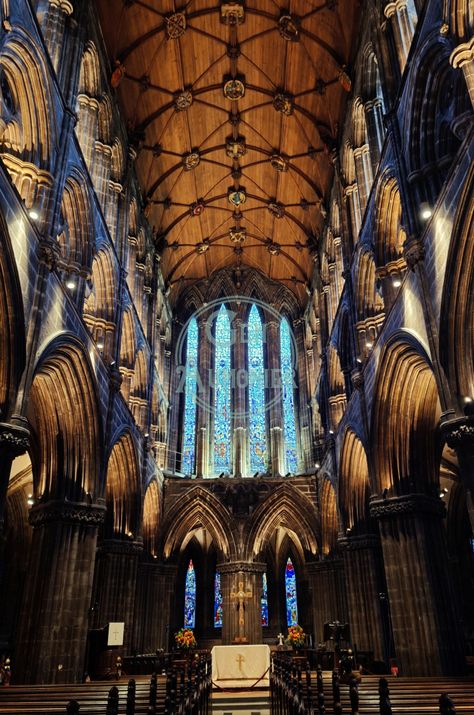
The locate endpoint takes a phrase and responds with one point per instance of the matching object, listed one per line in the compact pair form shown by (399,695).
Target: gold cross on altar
(240,659)
(240,596)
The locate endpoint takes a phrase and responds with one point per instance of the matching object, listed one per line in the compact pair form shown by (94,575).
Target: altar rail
(297,690)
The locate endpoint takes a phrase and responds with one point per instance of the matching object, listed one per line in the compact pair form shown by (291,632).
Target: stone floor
(255,702)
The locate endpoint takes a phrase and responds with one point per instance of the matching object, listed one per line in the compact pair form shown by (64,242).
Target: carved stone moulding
(409,505)
(358,543)
(121,546)
(233,567)
(67,512)
(14,439)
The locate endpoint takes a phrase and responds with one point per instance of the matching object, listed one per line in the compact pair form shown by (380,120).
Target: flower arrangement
(185,639)
(296,636)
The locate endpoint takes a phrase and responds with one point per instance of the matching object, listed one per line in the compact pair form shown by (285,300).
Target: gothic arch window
(217,601)
(190,597)
(264,600)
(287,374)
(290,593)
(222,395)
(256,379)
(189,429)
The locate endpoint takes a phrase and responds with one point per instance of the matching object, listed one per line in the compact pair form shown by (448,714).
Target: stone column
(103,158)
(115,584)
(274,397)
(463,58)
(112,209)
(86,127)
(425,618)
(365,584)
(375,129)
(402,27)
(155,596)
(352,195)
(53,26)
(54,616)
(329,602)
(459,434)
(14,441)
(364,173)
(250,575)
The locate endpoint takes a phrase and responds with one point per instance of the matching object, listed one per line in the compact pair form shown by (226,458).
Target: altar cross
(241,596)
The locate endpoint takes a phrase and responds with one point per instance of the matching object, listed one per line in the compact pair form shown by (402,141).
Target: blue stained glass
(264,600)
(288,397)
(189,430)
(217,601)
(290,589)
(190,597)
(222,456)
(256,373)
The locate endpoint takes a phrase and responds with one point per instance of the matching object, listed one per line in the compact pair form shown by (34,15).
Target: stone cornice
(358,543)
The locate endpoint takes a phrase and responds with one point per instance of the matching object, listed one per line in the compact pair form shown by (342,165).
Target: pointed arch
(406,451)
(122,489)
(329,518)
(151,518)
(354,489)
(76,239)
(388,230)
(89,75)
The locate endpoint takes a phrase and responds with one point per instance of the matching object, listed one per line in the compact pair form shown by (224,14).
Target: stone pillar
(274,397)
(203,423)
(250,575)
(425,619)
(327,585)
(352,195)
(402,27)
(86,127)
(103,158)
(364,586)
(364,174)
(14,441)
(463,58)
(459,434)
(375,129)
(155,596)
(115,584)
(52,634)
(53,26)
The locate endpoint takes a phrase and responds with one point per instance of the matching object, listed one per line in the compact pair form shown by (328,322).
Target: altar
(241,666)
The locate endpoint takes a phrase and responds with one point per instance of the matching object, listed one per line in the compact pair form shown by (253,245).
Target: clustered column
(327,583)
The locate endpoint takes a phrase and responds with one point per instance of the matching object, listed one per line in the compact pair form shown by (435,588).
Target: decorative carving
(357,543)
(175,25)
(288,28)
(235,148)
(69,513)
(183,100)
(279,162)
(409,505)
(121,546)
(203,247)
(283,103)
(235,567)
(237,196)
(191,160)
(234,88)
(276,209)
(197,208)
(459,434)
(14,439)
(237,235)
(273,248)
(49,252)
(232,13)
(357,378)
(413,251)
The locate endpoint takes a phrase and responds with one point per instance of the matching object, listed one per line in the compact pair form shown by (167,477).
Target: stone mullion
(421,599)
(374,119)
(53,631)
(241,459)
(305,456)
(364,580)
(203,430)
(327,585)
(250,574)
(115,585)
(274,399)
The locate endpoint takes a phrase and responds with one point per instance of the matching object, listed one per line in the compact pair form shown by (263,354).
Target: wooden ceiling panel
(263,140)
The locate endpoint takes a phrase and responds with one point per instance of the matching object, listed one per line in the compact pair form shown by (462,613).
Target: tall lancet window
(290,589)
(190,597)
(189,429)
(222,451)
(217,601)
(264,600)
(287,374)
(256,377)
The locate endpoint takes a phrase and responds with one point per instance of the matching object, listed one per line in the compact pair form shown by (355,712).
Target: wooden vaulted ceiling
(235,107)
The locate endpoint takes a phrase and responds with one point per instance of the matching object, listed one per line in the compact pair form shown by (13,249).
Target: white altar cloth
(241,666)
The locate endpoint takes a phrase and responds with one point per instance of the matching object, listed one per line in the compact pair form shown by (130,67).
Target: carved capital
(235,567)
(68,513)
(359,543)
(463,54)
(324,566)
(459,434)
(121,546)
(357,378)
(413,251)
(409,505)
(49,252)
(13,439)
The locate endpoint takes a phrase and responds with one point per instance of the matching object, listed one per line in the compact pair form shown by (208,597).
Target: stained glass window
(291,602)
(190,597)
(189,429)
(287,374)
(264,600)
(217,601)
(256,374)
(222,456)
